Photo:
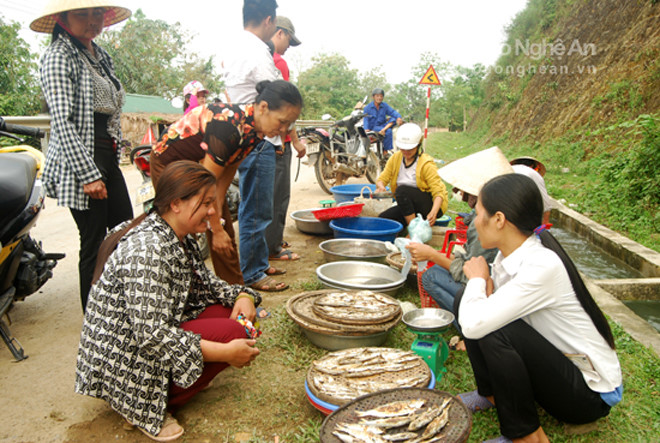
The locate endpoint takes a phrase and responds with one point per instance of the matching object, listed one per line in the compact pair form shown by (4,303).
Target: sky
(369,33)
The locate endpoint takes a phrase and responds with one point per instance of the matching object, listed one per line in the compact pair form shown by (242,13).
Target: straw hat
(535,163)
(472,172)
(46,21)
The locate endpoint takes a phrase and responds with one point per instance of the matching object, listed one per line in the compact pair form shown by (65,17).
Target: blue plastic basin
(443,221)
(345,193)
(373,228)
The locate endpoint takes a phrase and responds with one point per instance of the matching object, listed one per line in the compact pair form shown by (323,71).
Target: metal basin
(337,342)
(428,319)
(360,275)
(308,224)
(354,249)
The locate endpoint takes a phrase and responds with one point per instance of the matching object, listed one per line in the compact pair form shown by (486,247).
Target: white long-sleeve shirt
(532,284)
(249,63)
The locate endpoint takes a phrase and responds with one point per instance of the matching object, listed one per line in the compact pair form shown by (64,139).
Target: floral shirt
(131,345)
(225,132)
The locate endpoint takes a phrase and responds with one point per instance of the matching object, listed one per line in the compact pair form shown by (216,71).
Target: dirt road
(38,403)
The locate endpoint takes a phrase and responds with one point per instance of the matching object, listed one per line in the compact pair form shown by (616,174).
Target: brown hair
(180,180)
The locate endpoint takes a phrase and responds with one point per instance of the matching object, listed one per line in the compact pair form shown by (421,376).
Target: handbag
(373,206)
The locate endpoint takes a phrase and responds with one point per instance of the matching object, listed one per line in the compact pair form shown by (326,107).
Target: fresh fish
(427,416)
(395,408)
(436,425)
(401,436)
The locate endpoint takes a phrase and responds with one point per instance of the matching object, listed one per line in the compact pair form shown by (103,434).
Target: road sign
(430,77)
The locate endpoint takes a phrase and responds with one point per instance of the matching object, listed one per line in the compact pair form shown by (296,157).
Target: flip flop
(274,271)
(268,284)
(285,255)
(262,314)
(456,344)
(285,244)
(175,430)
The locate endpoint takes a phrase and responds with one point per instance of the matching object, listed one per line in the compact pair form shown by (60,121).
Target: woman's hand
(380,187)
(476,267)
(222,242)
(96,190)
(431,217)
(241,352)
(420,251)
(244,306)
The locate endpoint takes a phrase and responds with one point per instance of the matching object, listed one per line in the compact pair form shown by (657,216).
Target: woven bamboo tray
(417,376)
(457,430)
(300,309)
(396,260)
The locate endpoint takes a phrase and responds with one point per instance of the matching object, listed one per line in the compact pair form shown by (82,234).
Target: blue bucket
(443,221)
(372,228)
(345,193)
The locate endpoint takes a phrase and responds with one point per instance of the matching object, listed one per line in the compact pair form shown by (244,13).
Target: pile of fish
(356,307)
(411,421)
(344,375)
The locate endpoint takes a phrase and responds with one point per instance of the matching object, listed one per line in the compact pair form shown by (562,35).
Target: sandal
(284,254)
(274,271)
(475,401)
(262,314)
(170,431)
(456,344)
(268,284)
(285,244)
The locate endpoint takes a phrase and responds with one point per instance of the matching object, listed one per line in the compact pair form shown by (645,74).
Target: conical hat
(470,173)
(46,21)
(540,167)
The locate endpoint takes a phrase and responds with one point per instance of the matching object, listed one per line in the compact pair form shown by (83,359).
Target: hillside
(574,64)
(578,86)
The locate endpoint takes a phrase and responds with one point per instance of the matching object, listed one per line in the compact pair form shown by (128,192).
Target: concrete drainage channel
(609,292)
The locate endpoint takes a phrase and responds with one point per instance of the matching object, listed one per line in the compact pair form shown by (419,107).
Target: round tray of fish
(342,376)
(402,414)
(355,308)
(300,308)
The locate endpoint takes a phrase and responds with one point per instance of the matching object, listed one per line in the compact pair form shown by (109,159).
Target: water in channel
(598,264)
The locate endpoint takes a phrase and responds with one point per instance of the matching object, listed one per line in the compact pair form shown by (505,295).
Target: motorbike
(345,150)
(24,266)
(140,156)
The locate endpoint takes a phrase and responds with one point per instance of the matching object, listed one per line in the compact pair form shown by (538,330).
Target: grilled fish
(393,409)
(436,425)
(388,422)
(401,436)
(427,416)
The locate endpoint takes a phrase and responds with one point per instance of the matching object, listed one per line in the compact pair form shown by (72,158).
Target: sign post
(429,78)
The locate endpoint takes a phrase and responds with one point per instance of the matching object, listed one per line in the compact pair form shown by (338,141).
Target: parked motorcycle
(345,150)
(24,266)
(140,156)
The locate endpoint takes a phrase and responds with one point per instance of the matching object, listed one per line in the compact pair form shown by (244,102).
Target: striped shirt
(66,81)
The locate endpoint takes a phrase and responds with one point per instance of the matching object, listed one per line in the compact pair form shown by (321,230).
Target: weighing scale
(428,323)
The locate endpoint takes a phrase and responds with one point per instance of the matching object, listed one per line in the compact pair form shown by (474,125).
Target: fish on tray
(393,409)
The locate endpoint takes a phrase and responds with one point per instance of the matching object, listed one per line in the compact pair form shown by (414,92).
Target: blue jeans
(441,286)
(256,181)
(387,141)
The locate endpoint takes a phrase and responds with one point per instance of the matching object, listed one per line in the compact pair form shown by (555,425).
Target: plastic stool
(327,203)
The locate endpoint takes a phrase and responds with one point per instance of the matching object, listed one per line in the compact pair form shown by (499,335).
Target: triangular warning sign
(430,77)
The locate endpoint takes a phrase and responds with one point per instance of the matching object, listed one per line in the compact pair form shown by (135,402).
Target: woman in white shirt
(534,334)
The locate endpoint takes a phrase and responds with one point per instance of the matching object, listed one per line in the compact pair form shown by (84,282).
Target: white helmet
(408,136)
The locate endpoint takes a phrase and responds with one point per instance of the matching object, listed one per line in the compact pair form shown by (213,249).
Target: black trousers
(281,198)
(409,201)
(102,215)
(520,368)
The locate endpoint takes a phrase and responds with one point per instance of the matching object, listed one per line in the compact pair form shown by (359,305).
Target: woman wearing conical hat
(85,98)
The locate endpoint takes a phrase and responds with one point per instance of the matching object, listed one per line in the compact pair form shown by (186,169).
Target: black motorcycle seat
(17,175)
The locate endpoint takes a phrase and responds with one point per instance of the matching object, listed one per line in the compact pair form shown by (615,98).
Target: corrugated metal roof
(149,103)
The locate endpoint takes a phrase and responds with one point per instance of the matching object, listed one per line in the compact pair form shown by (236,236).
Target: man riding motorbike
(381,117)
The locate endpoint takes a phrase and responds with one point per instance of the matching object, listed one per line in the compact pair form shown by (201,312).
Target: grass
(276,405)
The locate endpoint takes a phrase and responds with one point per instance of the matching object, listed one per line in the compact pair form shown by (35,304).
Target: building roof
(149,104)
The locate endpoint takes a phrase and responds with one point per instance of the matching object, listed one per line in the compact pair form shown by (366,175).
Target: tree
(329,86)
(151,57)
(18,80)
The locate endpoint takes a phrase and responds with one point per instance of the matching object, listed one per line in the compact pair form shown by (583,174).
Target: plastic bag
(420,230)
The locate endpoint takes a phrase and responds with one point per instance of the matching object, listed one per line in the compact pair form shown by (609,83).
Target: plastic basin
(373,228)
(345,193)
(443,221)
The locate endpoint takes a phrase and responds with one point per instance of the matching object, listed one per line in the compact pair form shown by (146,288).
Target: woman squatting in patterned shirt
(159,325)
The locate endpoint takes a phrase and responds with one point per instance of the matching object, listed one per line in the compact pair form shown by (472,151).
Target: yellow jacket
(426,174)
